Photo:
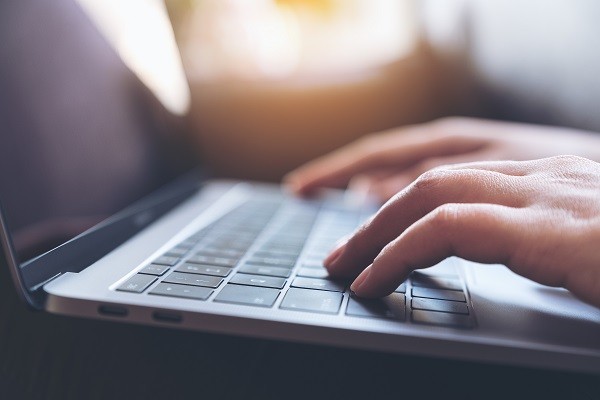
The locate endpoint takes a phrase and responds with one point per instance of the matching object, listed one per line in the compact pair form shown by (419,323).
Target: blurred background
(266,85)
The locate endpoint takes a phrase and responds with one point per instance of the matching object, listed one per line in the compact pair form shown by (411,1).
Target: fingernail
(360,280)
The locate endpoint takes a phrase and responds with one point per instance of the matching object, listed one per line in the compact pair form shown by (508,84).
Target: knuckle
(440,184)
(445,216)
(563,167)
(430,180)
(567,160)
(418,171)
(428,188)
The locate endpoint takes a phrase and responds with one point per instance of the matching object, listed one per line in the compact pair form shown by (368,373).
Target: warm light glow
(260,39)
(141,33)
(324,7)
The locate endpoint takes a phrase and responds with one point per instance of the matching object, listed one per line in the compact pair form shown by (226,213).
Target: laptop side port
(168,317)
(112,310)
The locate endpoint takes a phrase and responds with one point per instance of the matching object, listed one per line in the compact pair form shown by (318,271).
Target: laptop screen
(81,137)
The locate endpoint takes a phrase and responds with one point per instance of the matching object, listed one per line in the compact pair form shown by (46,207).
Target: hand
(384,163)
(540,218)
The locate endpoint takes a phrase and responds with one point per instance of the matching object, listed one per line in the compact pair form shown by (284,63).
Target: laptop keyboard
(269,254)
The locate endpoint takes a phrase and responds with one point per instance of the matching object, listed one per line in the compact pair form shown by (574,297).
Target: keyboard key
(210,260)
(262,270)
(392,306)
(319,301)
(248,295)
(240,247)
(401,288)
(154,269)
(187,292)
(204,269)
(454,307)
(275,252)
(312,263)
(193,279)
(319,284)
(235,244)
(137,283)
(237,235)
(440,294)
(320,273)
(284,262)
(442,319)
(221,252)
(435,282)
(278,247)
(166,260)
(258,280)
(314,255)
(177,252)
(187,244)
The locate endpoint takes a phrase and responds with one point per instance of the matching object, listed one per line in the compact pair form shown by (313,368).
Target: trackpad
(517,307)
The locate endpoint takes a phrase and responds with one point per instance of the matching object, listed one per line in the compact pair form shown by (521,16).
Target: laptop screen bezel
(83,250)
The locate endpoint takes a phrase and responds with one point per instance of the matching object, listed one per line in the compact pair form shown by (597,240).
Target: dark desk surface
(49,357)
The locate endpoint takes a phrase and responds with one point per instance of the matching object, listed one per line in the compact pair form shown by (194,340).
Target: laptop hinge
(41,284)
(37,293)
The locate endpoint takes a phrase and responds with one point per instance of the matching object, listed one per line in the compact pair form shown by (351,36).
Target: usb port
(113,311)
(166,317)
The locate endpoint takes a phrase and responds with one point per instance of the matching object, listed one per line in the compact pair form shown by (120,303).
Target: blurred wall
(260,109)
(263,130)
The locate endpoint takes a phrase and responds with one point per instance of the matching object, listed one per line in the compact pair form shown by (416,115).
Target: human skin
(383,163)
(541,218)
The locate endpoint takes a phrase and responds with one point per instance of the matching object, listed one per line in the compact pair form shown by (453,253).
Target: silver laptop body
(156,262)
(167,274)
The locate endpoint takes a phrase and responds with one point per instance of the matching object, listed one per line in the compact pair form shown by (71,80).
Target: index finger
(382,151)
(432,190)
(486,233)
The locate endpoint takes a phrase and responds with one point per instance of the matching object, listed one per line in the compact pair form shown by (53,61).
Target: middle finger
(429,191)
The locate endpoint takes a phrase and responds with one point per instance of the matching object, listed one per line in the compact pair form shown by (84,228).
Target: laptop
(241,258)
(245,258)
